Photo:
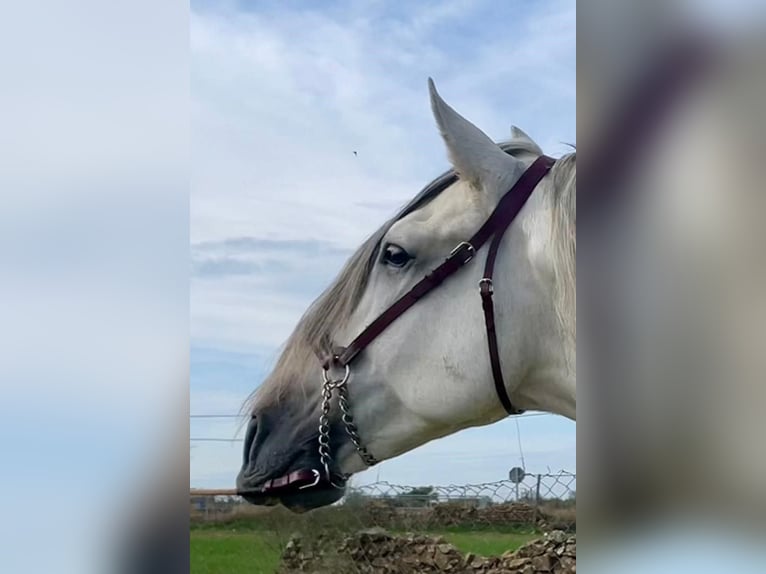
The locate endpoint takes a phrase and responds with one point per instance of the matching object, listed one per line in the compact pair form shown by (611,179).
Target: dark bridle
(341,358)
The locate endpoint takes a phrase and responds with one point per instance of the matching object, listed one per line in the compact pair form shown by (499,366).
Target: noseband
(342,357)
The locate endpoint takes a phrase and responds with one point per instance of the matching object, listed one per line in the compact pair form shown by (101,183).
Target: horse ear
(475,157)
(519,134)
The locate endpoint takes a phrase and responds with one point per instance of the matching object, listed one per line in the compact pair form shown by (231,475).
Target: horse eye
(395,256)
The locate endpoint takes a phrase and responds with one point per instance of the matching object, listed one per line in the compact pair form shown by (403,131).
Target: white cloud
(282,101)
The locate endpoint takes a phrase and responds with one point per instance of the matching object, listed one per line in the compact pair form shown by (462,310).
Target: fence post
(537,491)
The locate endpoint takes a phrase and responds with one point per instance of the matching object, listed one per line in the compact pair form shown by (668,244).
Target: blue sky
(282,95)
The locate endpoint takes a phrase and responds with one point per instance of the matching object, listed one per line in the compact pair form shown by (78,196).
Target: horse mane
(564,240)
(334,307)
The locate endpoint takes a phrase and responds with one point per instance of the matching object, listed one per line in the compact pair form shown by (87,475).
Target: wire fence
(515,501)
(532,489)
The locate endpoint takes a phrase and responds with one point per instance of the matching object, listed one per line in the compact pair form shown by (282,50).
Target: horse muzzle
(274,471)
(299,490)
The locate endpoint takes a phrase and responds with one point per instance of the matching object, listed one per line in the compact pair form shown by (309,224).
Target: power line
(232,440)
(224,416)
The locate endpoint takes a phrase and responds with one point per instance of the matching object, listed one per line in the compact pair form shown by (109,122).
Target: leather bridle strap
(496,225)
(487,290)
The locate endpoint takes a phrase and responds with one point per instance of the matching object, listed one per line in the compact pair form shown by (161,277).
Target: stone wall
(375,551)
(449,514)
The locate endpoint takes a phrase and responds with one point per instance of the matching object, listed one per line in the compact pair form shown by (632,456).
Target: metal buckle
(460,246)
(489,287)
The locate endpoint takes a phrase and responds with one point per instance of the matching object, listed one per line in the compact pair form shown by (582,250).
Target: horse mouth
(299,491)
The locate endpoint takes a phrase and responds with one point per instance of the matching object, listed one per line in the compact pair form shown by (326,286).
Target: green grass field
(230,550)
(233,552)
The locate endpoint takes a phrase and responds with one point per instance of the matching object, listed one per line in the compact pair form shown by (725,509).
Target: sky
(283,94)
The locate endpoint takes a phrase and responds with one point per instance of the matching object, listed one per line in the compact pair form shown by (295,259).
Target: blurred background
(671,288)
(94,319)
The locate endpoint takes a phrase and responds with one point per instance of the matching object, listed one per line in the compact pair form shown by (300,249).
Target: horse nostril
(252,429)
